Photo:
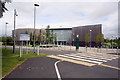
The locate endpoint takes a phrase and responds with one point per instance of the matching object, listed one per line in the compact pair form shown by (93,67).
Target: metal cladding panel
(83,30)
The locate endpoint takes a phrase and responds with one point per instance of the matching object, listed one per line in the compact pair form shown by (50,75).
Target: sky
(62,14)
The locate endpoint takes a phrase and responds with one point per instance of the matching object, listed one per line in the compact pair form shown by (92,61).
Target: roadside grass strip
(11,60)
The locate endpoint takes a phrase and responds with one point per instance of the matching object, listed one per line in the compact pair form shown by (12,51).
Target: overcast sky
(63,13)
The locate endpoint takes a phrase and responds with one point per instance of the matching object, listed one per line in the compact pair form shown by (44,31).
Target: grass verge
(11,60)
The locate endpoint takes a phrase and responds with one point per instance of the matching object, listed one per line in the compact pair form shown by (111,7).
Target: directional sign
(24,36)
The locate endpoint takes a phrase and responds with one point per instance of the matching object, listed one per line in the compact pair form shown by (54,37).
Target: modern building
(66,36)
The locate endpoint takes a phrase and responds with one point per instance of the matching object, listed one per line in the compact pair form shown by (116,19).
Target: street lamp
(15,14)
(6,34)
(61,37)
(77,42)
(73,39)
(34,23)
(90,38)
(112,42)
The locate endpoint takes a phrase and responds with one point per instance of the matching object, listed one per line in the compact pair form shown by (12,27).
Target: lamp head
(6,22)
(36,5)
(77,36)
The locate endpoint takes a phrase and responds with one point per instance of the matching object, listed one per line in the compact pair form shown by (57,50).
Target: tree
(48,34)
(43,35)
(87,39)
(99,39)
(3,39)
(8,40)
(118,42)
(2,6)
(26,32)
(55,37)
(51,36)
(40,36)
(31,36)
(107,40)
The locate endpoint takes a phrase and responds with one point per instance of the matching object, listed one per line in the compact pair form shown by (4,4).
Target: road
(43,67)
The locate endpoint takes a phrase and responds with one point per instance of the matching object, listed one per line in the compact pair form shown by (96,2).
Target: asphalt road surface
(43,67)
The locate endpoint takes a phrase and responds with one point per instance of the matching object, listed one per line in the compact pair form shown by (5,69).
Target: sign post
(27,47)
(24,37)
(20,51)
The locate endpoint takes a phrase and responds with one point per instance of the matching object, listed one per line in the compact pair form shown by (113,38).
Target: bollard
(27,47)
(20,51)
(86,49)
(70,47)
(54,46)
(38,50)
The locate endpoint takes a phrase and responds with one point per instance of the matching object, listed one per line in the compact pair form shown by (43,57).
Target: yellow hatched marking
(73,61)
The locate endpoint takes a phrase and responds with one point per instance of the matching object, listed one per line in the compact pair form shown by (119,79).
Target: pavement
(72,65)
(40,67)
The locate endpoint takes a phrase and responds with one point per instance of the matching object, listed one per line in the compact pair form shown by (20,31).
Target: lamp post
(77,42)
(116,45)
(34,23)
(6,34)
(90,38)
(73,39)
(112,42)
(15,14)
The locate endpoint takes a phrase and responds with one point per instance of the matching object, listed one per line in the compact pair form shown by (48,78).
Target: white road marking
(96,56)
(89,57)
(57,71)
(81,59)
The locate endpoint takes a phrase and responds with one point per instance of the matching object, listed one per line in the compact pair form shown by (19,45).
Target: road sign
(24,36)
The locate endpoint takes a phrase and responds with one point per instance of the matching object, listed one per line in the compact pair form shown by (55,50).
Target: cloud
(66,1)
(65,14)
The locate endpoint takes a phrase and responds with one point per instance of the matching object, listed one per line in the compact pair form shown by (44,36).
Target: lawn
(11,60)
